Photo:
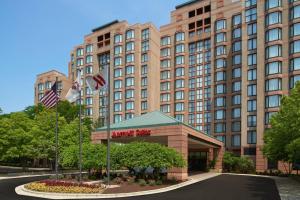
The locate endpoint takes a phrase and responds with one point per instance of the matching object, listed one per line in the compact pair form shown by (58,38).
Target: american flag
(51,97)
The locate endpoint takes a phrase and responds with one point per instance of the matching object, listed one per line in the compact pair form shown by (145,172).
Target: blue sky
(37,36)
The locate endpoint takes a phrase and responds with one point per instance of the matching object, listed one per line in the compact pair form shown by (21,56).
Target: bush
(159,182)
(142,182)
(232,163)
(151,182)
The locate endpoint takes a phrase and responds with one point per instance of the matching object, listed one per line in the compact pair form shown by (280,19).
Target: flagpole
(108,125)
(56,134)
(80,137)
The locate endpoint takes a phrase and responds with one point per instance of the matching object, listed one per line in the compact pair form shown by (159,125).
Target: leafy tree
(33,111)
(67,110)
(282,139)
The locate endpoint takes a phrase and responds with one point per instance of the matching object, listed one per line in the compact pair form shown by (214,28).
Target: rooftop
(186,4)
(105,26)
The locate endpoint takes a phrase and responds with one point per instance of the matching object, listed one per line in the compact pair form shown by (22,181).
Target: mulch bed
(133,187)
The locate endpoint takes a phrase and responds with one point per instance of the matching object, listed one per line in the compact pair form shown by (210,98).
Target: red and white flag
(51,97)
(73,92)
(96,82)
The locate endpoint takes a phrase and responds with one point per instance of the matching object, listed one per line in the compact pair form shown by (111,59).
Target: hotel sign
(131,133)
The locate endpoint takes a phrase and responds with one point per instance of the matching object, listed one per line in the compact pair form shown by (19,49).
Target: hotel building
(220,66)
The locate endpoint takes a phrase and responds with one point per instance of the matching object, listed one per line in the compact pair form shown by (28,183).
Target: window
(129,46)
(221,138)
(273,101)
(236,20)
(118,61)
(129,115)
(144,93)
(117,73)
(252,59)
(295,47)
(89,111)
(250,3)
(295,12)
(118,38)
(220,76)
(179,37)
(220,50)
(251,137)
(145,46)
(295,29)
(144,57)
(295,64)
(236,59)
(165,41)
(117,107)
(165,97)
(236,140)
(236,73)
(179,71)
(89,48)
(129,94)
(220,89)
(79,52)
(117,95)
(179,107)
(165,86)
(179,60)
(252,29)
(236,100)
(294,80)
(273,34)
(179,117)
(145,34)
(129,34)
(220,127)
(220,63)
(144,81)
(117,118)
(273,68)
(272,4)
(273,51)
(88,91)
(236,33)
(236,46)
(252,75)
(48,85)
(179,95)
(220,24)
(129,105)
(179,48)
(165,108)
(251,120)
(251,105)
(273,18)
(236,86)
(252,44)
(250,15)
(144,105)
(89,69)
(220,101)
(79,62)
(251,90)
(236,113)
(179,83)
(144,69)
(268,116)
(220,114)
(129,58)
(236,126)
(117,84)
(273,84)
(129,70)
(164,75)
(165,52)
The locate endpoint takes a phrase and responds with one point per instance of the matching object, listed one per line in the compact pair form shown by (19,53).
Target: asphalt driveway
(223,187)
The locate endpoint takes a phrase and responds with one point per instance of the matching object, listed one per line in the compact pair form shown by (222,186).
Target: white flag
(73,92)
(99,81)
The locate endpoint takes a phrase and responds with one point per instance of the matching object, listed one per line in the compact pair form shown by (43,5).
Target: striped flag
(51,97)
(96,82)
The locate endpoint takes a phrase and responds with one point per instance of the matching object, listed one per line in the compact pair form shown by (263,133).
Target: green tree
(282,138)
(33,111)
(68,111)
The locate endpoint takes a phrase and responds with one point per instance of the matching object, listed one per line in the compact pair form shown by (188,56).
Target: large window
(179,60)
(220,37)
(179,95)
(129,34)
(179,83)
(295,47)
(165,41)
(252,59)
(117,107)
(236,20)
(220,24)
(220,127)
(165,86)
(236,73)
(273,51)
(220,76)
(179,48)
(273,101)
(165,97)
(236,33)
(251,90)
(118,38)
(165,108)
(79,52)
(294,80)
(179,71)
(251,105)
(220,50)
(129,94)
(179,37)
(129,58)
(236,99)
(117,118)
(236,86)
(236,140)
(220,114)
(129,82)
(220,101)
(129,69)
(118,50)
(236,113)
(249,3)
(179,107)
(295,29)
(220,63)
(273,68)
(273,34)
(236,126)
(273,84)
(236,46)
(251,137)
(252,29)
(250,15)
(236,59)
(252,44)
(118,84)
(295,64)
(89,48)
(273,18)
(251,75)
(251,120)
(220,89)
(164,75)
(272,4)
(268,116)
(145,34)
(295,12)
(129,46)
(117,73)
(117,95)
(129,105)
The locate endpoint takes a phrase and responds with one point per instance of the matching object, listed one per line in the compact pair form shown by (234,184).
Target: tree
(283,136)
(67,110)
(1,111)
(33,111)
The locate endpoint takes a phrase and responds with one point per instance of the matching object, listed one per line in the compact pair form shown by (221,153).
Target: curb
(21,190)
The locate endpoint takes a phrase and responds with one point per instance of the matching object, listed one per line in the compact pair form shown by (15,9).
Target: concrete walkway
(288,188)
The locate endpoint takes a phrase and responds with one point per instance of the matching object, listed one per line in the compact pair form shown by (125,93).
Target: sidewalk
(288,188)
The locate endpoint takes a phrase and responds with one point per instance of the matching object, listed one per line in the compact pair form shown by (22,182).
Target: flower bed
(64,187)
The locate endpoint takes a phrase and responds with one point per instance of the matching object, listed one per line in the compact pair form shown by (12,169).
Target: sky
(37,36)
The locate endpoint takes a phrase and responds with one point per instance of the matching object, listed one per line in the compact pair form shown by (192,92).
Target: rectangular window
(236,126)
(273,101)
(252,44)
(273,18)
(251,120)
(252,75)
(273,34)
(251,137)
(273,68)
(251,106)
(295,64)
(252,29)
(273,51)
(236,140)
(165,41)
(273,84)
(252,90)
(250,15)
